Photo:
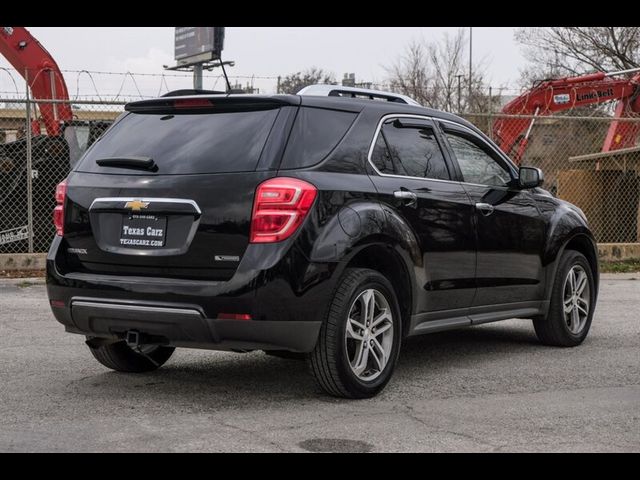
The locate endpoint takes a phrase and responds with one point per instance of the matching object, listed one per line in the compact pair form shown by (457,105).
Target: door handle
(410,198)
(485,208)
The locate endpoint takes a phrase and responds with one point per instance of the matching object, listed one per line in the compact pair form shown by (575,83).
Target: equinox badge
(136,205)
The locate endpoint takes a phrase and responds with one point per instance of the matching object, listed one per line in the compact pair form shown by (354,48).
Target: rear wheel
(122,358)
(572,303)
(359,340)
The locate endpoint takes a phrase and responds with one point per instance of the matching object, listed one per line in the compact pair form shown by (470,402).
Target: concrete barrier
(23,261)
(611,252)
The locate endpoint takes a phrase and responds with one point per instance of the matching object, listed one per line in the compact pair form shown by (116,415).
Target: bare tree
(411,74)
(562,51)
(436,75)
(296,81)
(446,61)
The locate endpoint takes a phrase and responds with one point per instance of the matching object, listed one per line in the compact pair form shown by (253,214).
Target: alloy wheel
(576,299)
(369,334)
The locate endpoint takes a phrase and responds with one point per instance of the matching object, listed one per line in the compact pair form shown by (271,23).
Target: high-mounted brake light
(192,103)
(58,211)
(279,208)
(234,316)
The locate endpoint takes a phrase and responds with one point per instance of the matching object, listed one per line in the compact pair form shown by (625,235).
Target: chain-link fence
(585,161)
(34,158)
(569,150)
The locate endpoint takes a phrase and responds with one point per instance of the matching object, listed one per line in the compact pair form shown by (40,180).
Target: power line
(176,75)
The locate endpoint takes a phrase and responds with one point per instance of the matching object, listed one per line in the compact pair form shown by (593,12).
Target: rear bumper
(184,326)
(285,296)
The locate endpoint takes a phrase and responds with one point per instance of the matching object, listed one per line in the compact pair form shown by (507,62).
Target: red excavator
(46,83)
(53,153)
(551,96)
(39,69)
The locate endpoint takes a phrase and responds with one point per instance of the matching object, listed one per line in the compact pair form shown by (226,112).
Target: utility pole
(490,113)
(459,92)
(197,76)
(470,64)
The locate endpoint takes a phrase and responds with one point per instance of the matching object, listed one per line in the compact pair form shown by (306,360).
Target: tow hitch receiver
(133,339)
(139,343)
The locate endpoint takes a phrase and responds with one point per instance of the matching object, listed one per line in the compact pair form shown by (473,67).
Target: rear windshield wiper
(142,163)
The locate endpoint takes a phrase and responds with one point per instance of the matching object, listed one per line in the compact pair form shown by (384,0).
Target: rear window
(316,132)
(185,143)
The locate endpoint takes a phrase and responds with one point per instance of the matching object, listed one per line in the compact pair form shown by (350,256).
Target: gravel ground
(485,388)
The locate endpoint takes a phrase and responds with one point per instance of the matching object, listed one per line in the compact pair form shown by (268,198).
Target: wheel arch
(585,245)
(366,234)
(580,240)
(389,261)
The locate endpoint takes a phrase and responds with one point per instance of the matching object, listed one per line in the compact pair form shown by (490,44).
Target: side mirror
(530,177)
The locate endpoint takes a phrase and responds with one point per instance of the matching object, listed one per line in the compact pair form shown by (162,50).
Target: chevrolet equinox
(330,224)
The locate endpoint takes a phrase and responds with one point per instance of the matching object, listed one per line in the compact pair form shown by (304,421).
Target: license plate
(143,231)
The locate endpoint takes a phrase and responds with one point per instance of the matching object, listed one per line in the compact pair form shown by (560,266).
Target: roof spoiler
(210,102)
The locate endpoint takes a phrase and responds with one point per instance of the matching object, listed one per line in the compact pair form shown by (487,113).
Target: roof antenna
(225,75)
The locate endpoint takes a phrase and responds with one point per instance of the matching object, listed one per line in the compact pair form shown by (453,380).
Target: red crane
(42,74)
(551,96)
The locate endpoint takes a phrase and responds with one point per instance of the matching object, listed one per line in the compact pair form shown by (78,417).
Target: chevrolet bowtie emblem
(136,205)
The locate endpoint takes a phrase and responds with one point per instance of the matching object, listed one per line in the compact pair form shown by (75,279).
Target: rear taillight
(279,208)
(58,211)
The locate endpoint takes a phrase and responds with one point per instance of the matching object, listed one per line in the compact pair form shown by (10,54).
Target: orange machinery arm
(550,96)
(42,74)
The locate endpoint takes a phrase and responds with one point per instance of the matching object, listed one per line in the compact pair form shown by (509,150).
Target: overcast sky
(263,52)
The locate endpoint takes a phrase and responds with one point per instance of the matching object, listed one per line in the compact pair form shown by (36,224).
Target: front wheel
(359,340)
(572,303)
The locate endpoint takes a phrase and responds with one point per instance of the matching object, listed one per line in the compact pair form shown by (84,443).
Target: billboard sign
(198,44)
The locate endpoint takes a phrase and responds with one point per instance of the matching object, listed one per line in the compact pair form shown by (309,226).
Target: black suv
(328,226)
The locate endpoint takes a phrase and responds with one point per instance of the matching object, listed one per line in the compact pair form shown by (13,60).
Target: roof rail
(321,90)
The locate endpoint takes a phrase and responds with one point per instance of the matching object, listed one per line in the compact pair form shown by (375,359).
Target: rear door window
(410,150)
(185,143)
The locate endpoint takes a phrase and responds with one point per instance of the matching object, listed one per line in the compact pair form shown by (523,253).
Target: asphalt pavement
(489,388)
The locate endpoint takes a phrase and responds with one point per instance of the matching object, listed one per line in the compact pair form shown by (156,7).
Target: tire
(559,328)
(337,348)
(120,357)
